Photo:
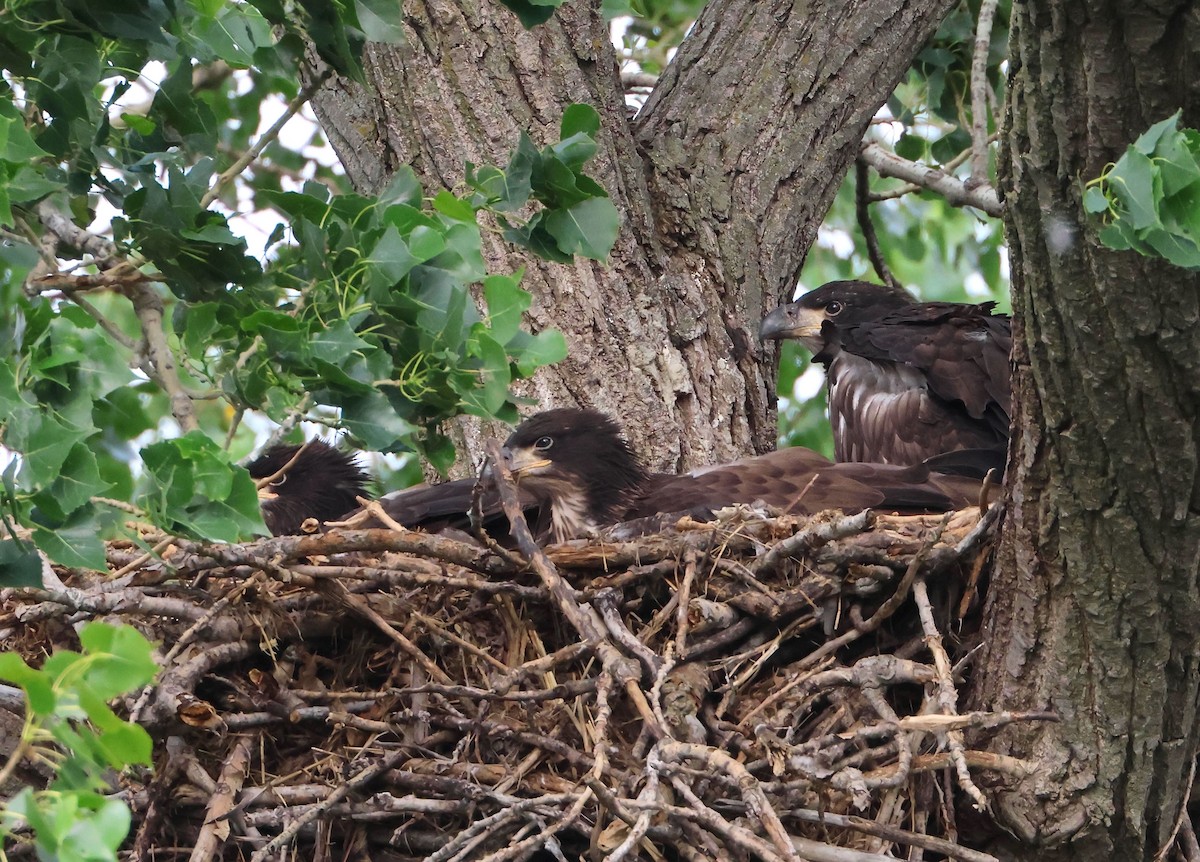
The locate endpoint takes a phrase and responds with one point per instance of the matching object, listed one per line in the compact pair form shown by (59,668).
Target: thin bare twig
(215,831)
(947,696)
(266,138)
(954,190)
(862,210)
(587,623)
(979,92)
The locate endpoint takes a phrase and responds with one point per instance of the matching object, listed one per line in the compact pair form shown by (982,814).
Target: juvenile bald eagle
(579,465)
(321,483)
(907,380)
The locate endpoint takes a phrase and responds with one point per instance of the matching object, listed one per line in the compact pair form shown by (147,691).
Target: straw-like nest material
(754,688)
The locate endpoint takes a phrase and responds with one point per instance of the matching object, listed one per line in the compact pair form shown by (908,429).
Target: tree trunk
(722,181)
(1094,606)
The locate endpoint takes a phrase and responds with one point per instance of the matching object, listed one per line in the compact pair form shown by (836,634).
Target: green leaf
(16,144)
(198,491)
(1179,250)
(588,228)
(531,14)
(1176,160)
(404,188)
(1132,180)
(78,482)
(545,348)
(1147,142)
(44,441)
(339,45)
(1151,197)
(38,686)
(506,302)
(453,207)
(611,9)
(380,21)
(1094,200)
(76,542)
(372,419)
(28,184)
(20,565)
(122,658)
(392,257)
(234,34)
(494,377)
(580,119)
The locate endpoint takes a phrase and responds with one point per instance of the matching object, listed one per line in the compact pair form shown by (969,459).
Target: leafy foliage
(360,313)
(1149,200)
(68,723)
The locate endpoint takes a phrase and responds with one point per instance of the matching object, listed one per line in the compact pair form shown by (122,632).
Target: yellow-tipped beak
(792,321)
(520,461)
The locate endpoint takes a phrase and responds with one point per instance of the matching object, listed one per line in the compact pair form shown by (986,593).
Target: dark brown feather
(446,507)
(322,483)
(800,481)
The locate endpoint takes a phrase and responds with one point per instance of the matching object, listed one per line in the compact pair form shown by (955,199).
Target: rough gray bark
(1093,610)
(722,181)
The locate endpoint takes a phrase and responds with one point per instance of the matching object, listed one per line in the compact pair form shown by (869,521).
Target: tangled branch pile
(753,688)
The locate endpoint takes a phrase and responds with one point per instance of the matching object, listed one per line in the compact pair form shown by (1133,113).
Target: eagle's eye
(833,308)
(543,443)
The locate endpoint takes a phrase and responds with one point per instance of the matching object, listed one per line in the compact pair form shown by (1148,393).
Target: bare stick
(362,779)
(587,623)
(215,831)
(979,92)
(947,695)
(954,190)
(862,200)
(670,751)
(148,306)
(816,533)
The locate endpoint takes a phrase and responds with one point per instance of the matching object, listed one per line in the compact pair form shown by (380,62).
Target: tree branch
(147,304)
(979,92)
(955,191)
(269,135)
(862,200)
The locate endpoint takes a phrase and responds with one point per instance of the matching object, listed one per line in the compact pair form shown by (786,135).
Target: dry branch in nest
(758,687)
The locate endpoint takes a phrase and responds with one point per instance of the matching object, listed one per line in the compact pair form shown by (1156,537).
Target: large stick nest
(753,688)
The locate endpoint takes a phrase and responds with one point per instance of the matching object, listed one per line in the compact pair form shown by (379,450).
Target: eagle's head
(576,461)
(814,318)
(322,482)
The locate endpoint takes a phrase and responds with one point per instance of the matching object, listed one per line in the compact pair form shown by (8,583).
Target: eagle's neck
(570,515)
(597,494)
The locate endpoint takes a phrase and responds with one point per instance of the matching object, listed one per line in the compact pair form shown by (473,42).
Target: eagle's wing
(445,507)
(434,507)
(800,481)
(963,351)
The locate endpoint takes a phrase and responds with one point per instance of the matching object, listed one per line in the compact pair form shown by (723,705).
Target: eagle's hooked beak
(522,461)
(792,321)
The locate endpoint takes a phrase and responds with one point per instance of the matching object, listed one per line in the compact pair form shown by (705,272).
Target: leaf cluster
(1149,201)
(376,315)
(69,724)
